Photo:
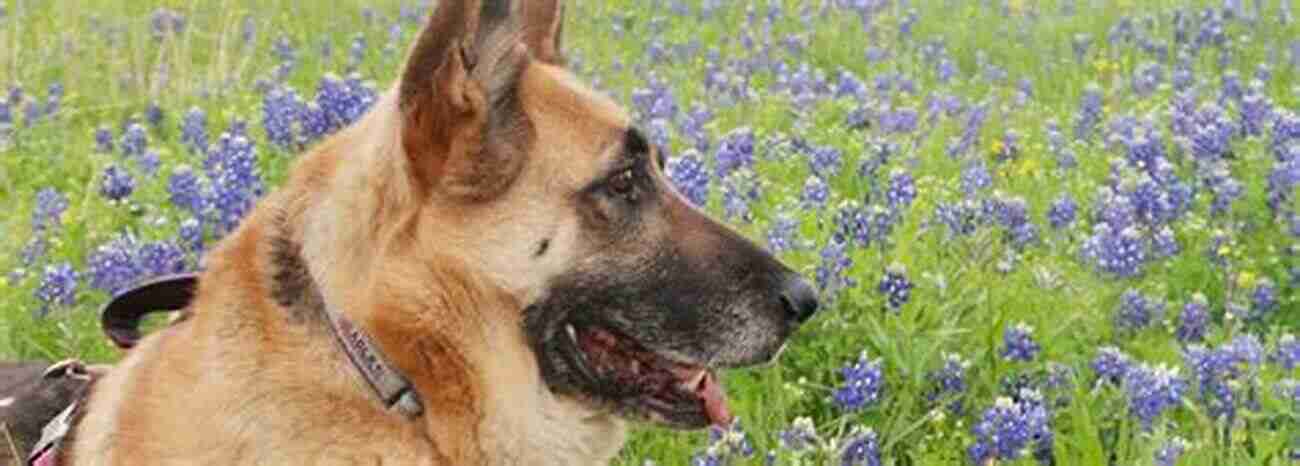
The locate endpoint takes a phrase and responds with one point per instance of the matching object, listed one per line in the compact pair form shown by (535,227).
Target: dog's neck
(516,419)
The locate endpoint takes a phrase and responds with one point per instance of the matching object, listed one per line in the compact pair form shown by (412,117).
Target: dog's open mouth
(667,391)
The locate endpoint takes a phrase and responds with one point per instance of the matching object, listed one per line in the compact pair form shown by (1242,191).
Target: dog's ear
(462,130)
(543,24)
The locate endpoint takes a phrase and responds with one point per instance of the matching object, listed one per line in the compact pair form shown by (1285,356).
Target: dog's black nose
(799,299)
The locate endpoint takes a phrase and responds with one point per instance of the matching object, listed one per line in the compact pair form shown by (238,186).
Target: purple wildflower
(800,436)
(1137,312)
(735,152)
(1063,212)
(1288,352)
(864,380)
(1018,343)
(103,140)
(862,448)
(58,287)
(48,213)
(1008,429)
(1169,452)
(134,140)
(895,286)
(1090,109)
(689,175)
(902,189)
(815,192)
(1194,319)
(116,183)
(782,236)
(1151,391)
(1111,364)
(194,130)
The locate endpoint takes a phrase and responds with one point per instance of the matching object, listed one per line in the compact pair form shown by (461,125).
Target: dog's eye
(623,184)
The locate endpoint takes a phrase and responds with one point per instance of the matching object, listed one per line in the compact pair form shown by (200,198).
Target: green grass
(968,289)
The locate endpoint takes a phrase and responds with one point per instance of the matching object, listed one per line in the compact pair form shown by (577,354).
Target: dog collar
(392,388)
(121,319)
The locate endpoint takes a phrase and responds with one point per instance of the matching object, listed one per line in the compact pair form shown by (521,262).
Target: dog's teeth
(573,333)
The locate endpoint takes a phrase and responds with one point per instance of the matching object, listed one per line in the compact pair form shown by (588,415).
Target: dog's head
(630,296)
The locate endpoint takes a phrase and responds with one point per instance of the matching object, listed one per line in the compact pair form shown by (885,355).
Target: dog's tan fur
(436,284)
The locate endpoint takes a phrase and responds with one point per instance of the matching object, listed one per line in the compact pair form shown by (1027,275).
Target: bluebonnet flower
(1018,343)
(284,50)
(6,115)
(782,236)
(725,445)
(1211,137)
(862,448)
(116,183)
(1147,78)
(864,382)
(194,130)
(970,131)
(901,120)
(153,114)
(1170,451)
(48,212)
(281,109)
(1121,252)
(800,436)
(1223,375)
(1111,365)
(235,182)
(902,189)
(343,101)
(1263,299)
(950,382)
(847,84)
(895,286)
(655,100)
(1151,391)
(165,22)
(1287,355)
(825,161)
(975,177)
(961,217)
(58,287)
(1256,111)
(1013,215)
(815,192)
(692,128)
(1090,109)
(831,273)
(689,175)
(945,70)
(134,140)
(160,258)
(1164,244)
(659,132)
(738,192)
(1079,44)
(735,152)
(1194,319)
(186,191)
(1008,429)
(112,266)
(34,250)
(1062,212)
(103,139)
(1137,312)
(190,235)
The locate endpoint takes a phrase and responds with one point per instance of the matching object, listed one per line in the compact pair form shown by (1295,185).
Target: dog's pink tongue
(715,400)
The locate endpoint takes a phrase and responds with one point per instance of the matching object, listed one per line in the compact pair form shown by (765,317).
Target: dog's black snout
(799,299)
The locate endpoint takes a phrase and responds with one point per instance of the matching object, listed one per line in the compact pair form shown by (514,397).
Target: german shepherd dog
(489,268)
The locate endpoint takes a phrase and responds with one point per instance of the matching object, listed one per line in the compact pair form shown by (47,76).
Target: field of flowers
(1055,232)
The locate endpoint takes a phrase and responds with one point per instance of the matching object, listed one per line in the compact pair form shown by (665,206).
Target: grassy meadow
(1055,232)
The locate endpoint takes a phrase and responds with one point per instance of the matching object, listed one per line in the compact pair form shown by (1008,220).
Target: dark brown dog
(489,268)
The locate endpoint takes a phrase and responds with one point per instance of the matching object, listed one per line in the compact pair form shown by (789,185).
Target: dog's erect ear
(543,25)
(462,130)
